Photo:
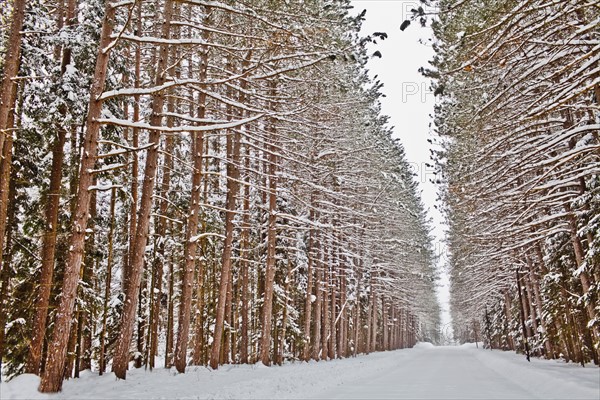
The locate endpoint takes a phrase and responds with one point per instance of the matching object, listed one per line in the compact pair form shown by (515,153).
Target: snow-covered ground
(425,372)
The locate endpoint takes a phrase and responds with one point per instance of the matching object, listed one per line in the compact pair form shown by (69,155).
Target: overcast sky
(408,101)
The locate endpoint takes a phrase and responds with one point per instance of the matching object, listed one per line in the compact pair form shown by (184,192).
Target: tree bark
(48,252)
(158,265)
(169,332)
(12,62)
(288,276)
(8,90)
(189,257)
(57,348)
(316,337)
(108,280)
(309,291)
(5,273)
(134,162)
(127,323)
(267,315)
(192,225)
(244,254)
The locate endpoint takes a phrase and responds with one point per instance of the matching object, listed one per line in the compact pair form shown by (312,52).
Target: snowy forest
(518,129)
(201,183)
(213,182)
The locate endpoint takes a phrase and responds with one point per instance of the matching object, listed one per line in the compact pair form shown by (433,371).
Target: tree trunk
(159,260)
(325,333)
(332,312)
(48,252)
(8,96)
(288,276)
(12,61)
(50,230)
(121,358)
(309,289)
(267,315)
(134,162)
(357,319)
(111,228)
(523,324)
(244,254)
(507,311)
(83,360)
(169,332)
(583,276)
(5,273)
(316,337)
(189,256)
(57,348)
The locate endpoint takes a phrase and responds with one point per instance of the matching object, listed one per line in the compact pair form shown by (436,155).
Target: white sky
(408,102)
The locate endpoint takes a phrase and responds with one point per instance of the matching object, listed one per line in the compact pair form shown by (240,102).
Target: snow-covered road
(468,373)
(424,372)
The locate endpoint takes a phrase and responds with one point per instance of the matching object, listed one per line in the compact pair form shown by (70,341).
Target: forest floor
(424,372)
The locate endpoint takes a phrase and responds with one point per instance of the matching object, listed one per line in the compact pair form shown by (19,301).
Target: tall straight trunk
(108,281)
(267,314)
(507,311)
(57,347)
(83,356)
(244,255)
(5,273)
(71,345)
(51,212)
(230,204)
(357,320)
(316,336)
(405,328)
(309,289)
(373,327)
(325,332)
(369,318)
(198,355)
(6,160)
(288,276)
(169,331)
(332,312)
(48,252)
(342,320)
(141,323)
(384,325)
(8,91)
(227,339)
(135,161)
(525,307)
(189,257)
(522,307)
(233,150)
(530,302)
(159,260)
(235,318)
(12,62)
(192,227)
(128,317)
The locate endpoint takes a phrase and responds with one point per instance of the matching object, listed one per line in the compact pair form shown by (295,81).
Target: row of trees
(230,193)
(519,127)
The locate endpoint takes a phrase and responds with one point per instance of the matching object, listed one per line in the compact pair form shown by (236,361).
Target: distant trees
(212,182)
(519,125)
